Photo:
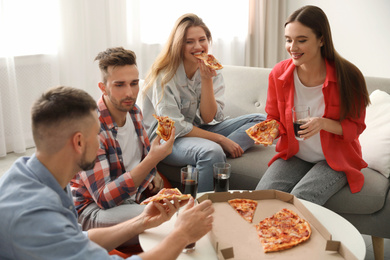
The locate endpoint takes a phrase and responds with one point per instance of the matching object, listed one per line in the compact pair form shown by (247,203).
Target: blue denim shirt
(181,100)
(39,219)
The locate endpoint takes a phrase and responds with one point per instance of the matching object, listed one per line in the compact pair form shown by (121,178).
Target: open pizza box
(234,238)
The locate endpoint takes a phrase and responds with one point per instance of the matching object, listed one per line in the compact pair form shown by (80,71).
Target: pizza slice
(210,61)
(285,229)
(264,132)
(245,207)
(164,127)
(168,194)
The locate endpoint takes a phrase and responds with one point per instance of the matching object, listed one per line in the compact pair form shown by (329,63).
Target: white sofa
(246,92)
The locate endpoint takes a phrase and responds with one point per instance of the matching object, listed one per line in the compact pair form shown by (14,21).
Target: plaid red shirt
(108,184)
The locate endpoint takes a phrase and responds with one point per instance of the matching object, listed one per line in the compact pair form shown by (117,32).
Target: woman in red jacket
(329,156)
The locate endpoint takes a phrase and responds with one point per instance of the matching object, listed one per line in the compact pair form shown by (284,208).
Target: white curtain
(23,76)
(87,28)
(58,43)
(84,28)
(265,42)
(151,21)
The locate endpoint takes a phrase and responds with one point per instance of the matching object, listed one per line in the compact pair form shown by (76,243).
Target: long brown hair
(170,57)
(353,90)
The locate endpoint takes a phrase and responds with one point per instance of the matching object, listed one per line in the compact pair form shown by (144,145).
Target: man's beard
(85,165)
(117,104)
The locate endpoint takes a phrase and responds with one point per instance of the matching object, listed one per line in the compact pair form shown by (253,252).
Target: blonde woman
(180,86)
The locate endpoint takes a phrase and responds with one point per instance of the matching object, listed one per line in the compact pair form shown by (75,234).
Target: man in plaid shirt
(125,167)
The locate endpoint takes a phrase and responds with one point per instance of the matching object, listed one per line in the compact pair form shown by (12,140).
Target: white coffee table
(339,227)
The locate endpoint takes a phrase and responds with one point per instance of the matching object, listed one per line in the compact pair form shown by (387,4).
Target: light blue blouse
(180,102)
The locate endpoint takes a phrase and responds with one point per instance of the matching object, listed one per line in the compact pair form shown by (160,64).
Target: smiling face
(121,90)
(196,42)
(302,44)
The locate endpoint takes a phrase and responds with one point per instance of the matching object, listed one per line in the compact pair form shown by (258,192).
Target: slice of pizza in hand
(210,61)
(168,194)
(284,230)
(165,126)
(244,207)
(264,132)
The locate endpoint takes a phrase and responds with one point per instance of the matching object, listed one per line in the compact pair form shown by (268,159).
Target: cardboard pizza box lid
(234,238)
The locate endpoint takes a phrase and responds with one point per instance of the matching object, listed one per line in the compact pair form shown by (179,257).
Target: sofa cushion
(375,140)
(248,169)
(246,90)
(370,199)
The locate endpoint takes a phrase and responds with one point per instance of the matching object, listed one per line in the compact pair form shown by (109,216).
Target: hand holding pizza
(156,213)
(206,72)
(161,150)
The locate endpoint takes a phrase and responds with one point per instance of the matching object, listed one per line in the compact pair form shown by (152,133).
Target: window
(226,19)
(28,27)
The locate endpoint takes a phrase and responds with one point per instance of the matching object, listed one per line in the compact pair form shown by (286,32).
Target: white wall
(360,30)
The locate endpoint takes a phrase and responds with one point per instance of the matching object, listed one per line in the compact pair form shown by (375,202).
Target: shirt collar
(330,72)
(181,76)
(46,178)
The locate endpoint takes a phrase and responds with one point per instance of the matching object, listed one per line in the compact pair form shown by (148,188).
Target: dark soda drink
(221,183)
(189,187)
(190,247)
(297,127)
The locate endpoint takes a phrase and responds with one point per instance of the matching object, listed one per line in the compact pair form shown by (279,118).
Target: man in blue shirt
(38,217)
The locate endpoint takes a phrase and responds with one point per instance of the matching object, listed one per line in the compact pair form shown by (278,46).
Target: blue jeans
(315,182)
(203,153)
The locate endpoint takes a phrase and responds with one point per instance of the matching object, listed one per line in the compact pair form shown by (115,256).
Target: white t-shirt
(310,149)
(130,144)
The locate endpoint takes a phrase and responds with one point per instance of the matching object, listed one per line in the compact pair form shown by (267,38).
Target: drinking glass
(222,172)
(189,185)
(301,115)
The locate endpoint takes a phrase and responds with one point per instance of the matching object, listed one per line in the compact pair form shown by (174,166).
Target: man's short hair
(114,57)
(58,113)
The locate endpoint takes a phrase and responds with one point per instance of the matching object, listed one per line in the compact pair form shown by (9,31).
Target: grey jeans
(315,182)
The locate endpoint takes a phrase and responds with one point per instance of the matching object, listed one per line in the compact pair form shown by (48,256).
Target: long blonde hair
(170,57)
(353,90)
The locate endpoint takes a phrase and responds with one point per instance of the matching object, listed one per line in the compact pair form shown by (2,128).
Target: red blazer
(342,152)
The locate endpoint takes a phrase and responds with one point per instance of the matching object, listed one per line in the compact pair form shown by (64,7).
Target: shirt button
(71,207)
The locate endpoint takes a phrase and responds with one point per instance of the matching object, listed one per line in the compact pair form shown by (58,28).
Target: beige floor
(6,162)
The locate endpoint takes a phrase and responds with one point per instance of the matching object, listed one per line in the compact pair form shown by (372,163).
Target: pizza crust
(167,193)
